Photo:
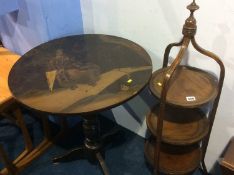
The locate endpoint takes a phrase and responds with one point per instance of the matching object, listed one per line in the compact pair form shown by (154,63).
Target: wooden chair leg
(8,164)
(46,126)
(26,136)
(42,147)
(20,121)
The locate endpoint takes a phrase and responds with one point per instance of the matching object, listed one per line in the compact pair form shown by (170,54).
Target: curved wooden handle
(216,101)
(165,87)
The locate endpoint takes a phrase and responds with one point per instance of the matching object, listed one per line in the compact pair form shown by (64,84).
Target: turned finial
(190,26)
(193,7)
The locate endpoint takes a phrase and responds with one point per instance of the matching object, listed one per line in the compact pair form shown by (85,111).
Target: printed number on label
(191,98)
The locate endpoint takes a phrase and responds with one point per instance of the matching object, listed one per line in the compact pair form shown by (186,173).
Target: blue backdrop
(25,24)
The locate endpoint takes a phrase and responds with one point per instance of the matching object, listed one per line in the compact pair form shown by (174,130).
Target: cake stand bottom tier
(176,160)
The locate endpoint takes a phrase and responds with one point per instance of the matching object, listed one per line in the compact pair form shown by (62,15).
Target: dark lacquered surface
(91,73)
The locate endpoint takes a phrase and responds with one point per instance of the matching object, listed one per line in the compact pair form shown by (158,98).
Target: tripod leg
(102,164)
(77,153)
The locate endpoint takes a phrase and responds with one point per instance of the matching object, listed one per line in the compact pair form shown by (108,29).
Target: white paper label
(191,98)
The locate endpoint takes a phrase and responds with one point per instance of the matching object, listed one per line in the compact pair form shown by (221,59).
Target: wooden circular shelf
(189,86)
(180,126)
(175,160)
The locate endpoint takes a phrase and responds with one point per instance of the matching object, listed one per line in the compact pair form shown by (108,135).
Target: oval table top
(80,74)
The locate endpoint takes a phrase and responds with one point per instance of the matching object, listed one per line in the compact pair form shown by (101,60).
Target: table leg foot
(102,163)
(74,154)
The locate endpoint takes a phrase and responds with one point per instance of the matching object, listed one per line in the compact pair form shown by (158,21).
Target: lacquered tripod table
(81,75)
